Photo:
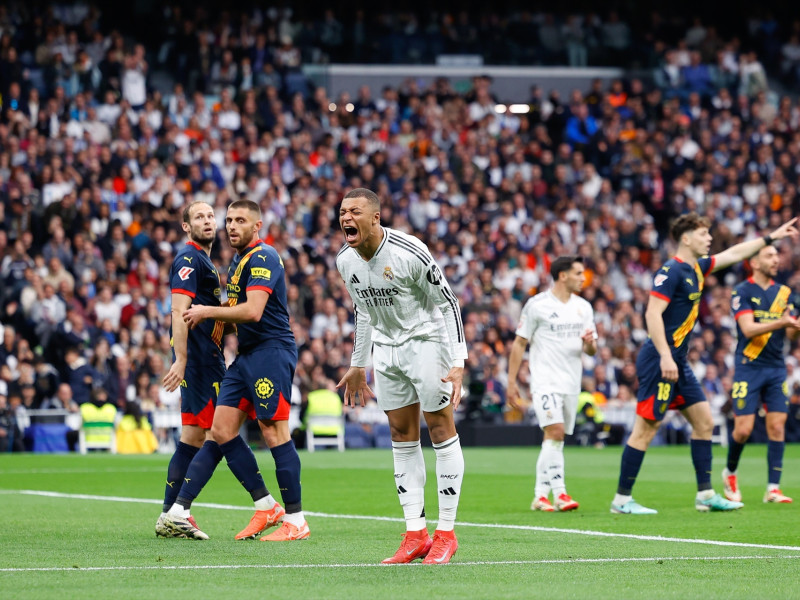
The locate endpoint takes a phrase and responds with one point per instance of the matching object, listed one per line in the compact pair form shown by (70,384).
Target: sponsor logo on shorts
(264,388)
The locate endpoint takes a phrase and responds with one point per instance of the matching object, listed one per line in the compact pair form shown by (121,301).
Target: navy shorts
(259,383)
(657,395)
(199,391)
(753,386)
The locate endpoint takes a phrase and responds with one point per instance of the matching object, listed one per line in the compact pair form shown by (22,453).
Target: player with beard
(559,325)
(257,385)
(197,365)
(666,379)
(764,320)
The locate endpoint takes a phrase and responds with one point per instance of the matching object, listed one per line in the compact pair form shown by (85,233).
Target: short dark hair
(563,264)
(686,223)
(188,209)
(248,204)
(372,197)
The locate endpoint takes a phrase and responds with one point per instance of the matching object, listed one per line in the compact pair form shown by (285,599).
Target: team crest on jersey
(264,388)
(184,273)
(388,275)
(659,279)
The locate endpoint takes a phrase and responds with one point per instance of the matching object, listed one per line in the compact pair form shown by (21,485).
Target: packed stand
(96,165)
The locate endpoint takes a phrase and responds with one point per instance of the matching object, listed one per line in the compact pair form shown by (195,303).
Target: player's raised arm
(744,250)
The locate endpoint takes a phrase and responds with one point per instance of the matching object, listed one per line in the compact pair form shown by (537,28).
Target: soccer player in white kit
(405,308)
(559,325)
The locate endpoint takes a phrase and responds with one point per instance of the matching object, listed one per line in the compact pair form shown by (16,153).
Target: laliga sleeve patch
(185,272)
(659,279)
(737,302)
(434,276)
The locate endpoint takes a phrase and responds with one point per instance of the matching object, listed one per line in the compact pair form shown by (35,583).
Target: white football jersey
(554,329)
(400,294)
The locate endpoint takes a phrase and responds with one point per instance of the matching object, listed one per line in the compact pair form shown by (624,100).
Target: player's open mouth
(350,234)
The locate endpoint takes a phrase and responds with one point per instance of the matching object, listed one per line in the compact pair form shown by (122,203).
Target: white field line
(76,471)
(563,561)
(654,538)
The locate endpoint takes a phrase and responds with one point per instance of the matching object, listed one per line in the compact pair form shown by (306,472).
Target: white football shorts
(553,407)
(412,373)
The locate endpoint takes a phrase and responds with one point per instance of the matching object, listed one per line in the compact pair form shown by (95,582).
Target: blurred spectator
(62,400)
(96,165)
(10,436)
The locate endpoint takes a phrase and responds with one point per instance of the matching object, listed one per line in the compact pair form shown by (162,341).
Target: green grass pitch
(91,535)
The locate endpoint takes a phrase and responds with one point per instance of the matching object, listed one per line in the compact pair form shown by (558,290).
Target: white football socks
(542,487)
(178,511)
(297,519)
(621,499)
(554,463)
(409,480)
(449,475)
(265,503)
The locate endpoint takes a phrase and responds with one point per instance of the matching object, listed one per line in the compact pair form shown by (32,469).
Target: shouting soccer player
(406,309)
(560,326)
(257,385)
(197,366)
(665,378)
(763,319)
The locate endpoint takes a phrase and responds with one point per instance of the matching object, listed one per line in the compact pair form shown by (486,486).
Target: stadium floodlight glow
(519,109)
(500,108)
(349,107)
(332,107)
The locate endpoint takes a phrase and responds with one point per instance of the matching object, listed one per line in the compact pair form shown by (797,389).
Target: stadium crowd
(96,165)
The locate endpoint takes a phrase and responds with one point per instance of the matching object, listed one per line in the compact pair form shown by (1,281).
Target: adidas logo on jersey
(354,279)
(554,315)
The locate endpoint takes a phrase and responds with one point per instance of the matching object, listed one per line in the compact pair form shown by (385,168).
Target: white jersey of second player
(400,294)
(554,329)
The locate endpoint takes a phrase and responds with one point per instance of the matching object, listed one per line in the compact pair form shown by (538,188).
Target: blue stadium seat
(48,437)
(355,436)
(382,436)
